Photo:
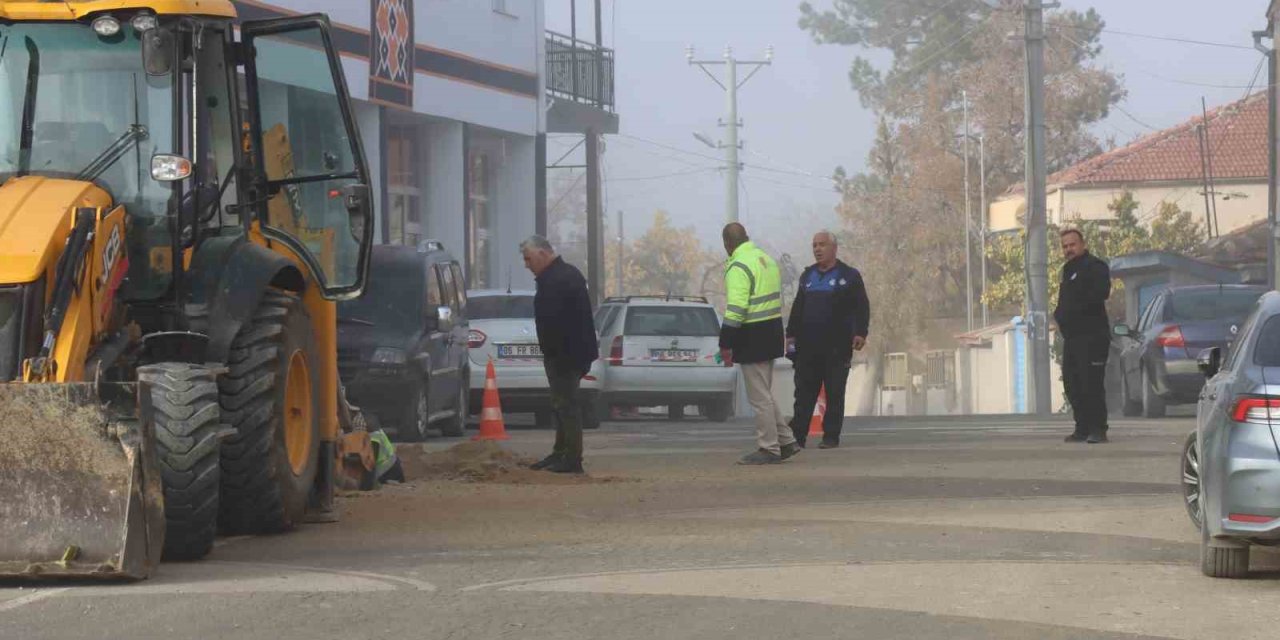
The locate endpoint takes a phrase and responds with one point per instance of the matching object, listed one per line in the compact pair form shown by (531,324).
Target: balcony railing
(579,71)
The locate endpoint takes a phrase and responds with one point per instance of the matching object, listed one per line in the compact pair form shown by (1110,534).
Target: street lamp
(705,140)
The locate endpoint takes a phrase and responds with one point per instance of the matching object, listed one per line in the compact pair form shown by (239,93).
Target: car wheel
(1191,480)
(675,412)
(718,410)
(414,426)
(456,425)
(1223,561)
(1152,404)
(544,419)
(1129,407)
(591,410)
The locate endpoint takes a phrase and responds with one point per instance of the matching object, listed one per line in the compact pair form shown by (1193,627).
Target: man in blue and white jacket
(829,321)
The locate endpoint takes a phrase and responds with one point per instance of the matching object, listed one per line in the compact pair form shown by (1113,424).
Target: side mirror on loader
(360,208)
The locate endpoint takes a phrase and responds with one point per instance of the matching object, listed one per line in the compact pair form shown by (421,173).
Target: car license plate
(519,351)
(673,355)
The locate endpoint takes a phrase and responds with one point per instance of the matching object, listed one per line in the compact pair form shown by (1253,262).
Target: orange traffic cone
(491,425)
(819,411)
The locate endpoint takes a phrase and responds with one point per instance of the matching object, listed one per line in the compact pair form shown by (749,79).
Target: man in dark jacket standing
(567,337)
(1082,319)
(829,321)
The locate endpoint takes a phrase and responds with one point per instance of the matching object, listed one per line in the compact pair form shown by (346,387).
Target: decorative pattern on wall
(391,55)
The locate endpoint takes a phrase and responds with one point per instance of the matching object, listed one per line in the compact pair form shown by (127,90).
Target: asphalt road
(925,530)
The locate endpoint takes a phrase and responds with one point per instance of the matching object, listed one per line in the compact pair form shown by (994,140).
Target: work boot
(1075,437)
(828,445)
(565,465)
(789,450)
(1095,438)
(761,456)
(545,462)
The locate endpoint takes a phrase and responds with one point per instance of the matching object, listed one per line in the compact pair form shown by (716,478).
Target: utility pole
(982,211)
(621,245)
(968,222)
(1273,147)
(731,85)
(1037,229)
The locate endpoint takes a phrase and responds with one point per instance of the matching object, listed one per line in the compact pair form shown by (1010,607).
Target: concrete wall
(513,40)
(985,377)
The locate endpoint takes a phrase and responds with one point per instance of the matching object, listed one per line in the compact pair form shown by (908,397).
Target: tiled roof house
(1164,166)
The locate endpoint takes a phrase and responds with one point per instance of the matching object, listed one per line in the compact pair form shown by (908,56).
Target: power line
(1134,118)
(947,49)
(665,175)
(670,148)
(568,191)
(1148,36)
(656,154)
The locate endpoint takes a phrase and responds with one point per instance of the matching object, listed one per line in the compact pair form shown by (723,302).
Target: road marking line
(420,585)
(10,605)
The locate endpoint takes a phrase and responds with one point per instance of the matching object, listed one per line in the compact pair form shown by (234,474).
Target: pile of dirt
(484,461)
(45,428)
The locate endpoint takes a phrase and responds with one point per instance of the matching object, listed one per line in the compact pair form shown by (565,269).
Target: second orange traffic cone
(491,424)
(819,412)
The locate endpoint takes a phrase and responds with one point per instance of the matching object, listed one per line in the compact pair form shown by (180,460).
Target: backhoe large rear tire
(187,419)
(271,397)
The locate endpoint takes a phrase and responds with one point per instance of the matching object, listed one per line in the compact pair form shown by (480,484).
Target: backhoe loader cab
(183,198)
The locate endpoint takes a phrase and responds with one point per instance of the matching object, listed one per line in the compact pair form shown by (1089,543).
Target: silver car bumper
(1241,476)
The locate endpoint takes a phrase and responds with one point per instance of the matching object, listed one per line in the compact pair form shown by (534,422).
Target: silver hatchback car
(1231,464)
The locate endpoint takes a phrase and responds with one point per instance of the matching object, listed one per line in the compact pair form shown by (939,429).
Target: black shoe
(1075,437)
(545,462)
(789,450)
(761,456)
(564,465)
(1095,438)
(829,445)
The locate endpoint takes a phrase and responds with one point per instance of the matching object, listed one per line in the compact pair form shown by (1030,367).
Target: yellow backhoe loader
(183,198)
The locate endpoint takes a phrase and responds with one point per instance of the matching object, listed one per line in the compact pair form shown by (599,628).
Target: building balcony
(580,86)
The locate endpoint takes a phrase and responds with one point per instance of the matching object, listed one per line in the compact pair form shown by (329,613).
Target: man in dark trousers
(829,321)
(1082,319)
(567,337)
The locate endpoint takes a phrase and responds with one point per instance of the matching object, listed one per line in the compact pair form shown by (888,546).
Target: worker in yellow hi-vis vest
(751,336)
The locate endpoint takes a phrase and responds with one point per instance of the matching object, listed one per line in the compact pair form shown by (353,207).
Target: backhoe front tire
(271,398)
(187,419)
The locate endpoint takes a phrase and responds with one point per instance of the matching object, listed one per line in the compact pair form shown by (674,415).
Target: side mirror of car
(1122,330)
(444,318)
(1210,361)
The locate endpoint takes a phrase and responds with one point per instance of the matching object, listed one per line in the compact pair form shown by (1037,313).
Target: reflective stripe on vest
(764,291)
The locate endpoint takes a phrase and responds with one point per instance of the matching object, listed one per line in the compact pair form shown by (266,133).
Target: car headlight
(388,355)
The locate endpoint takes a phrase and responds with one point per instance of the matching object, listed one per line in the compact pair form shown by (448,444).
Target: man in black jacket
(567,337)
(1082,319)
(829,321)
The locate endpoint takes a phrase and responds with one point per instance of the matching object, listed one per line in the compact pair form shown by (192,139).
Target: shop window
(404,219)
(479,221)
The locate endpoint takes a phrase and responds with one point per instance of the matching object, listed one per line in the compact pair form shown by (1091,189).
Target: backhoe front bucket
(80,489)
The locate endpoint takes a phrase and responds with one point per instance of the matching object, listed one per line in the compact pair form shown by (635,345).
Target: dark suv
(402,345)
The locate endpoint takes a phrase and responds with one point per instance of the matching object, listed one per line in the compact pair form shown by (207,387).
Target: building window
(500,6)
(404,193)
(479,221)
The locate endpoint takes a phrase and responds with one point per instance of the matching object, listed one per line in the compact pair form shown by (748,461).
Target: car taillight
(1257,410)
(615,352)
(475,339)
(1171,337)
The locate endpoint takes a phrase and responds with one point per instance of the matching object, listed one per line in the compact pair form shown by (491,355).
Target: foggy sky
(802,116)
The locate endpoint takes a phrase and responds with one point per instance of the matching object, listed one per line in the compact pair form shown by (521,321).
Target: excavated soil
(41,429)
(484,461)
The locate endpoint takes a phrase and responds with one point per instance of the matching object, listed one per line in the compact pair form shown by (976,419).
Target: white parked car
(502,328)
(664,351)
